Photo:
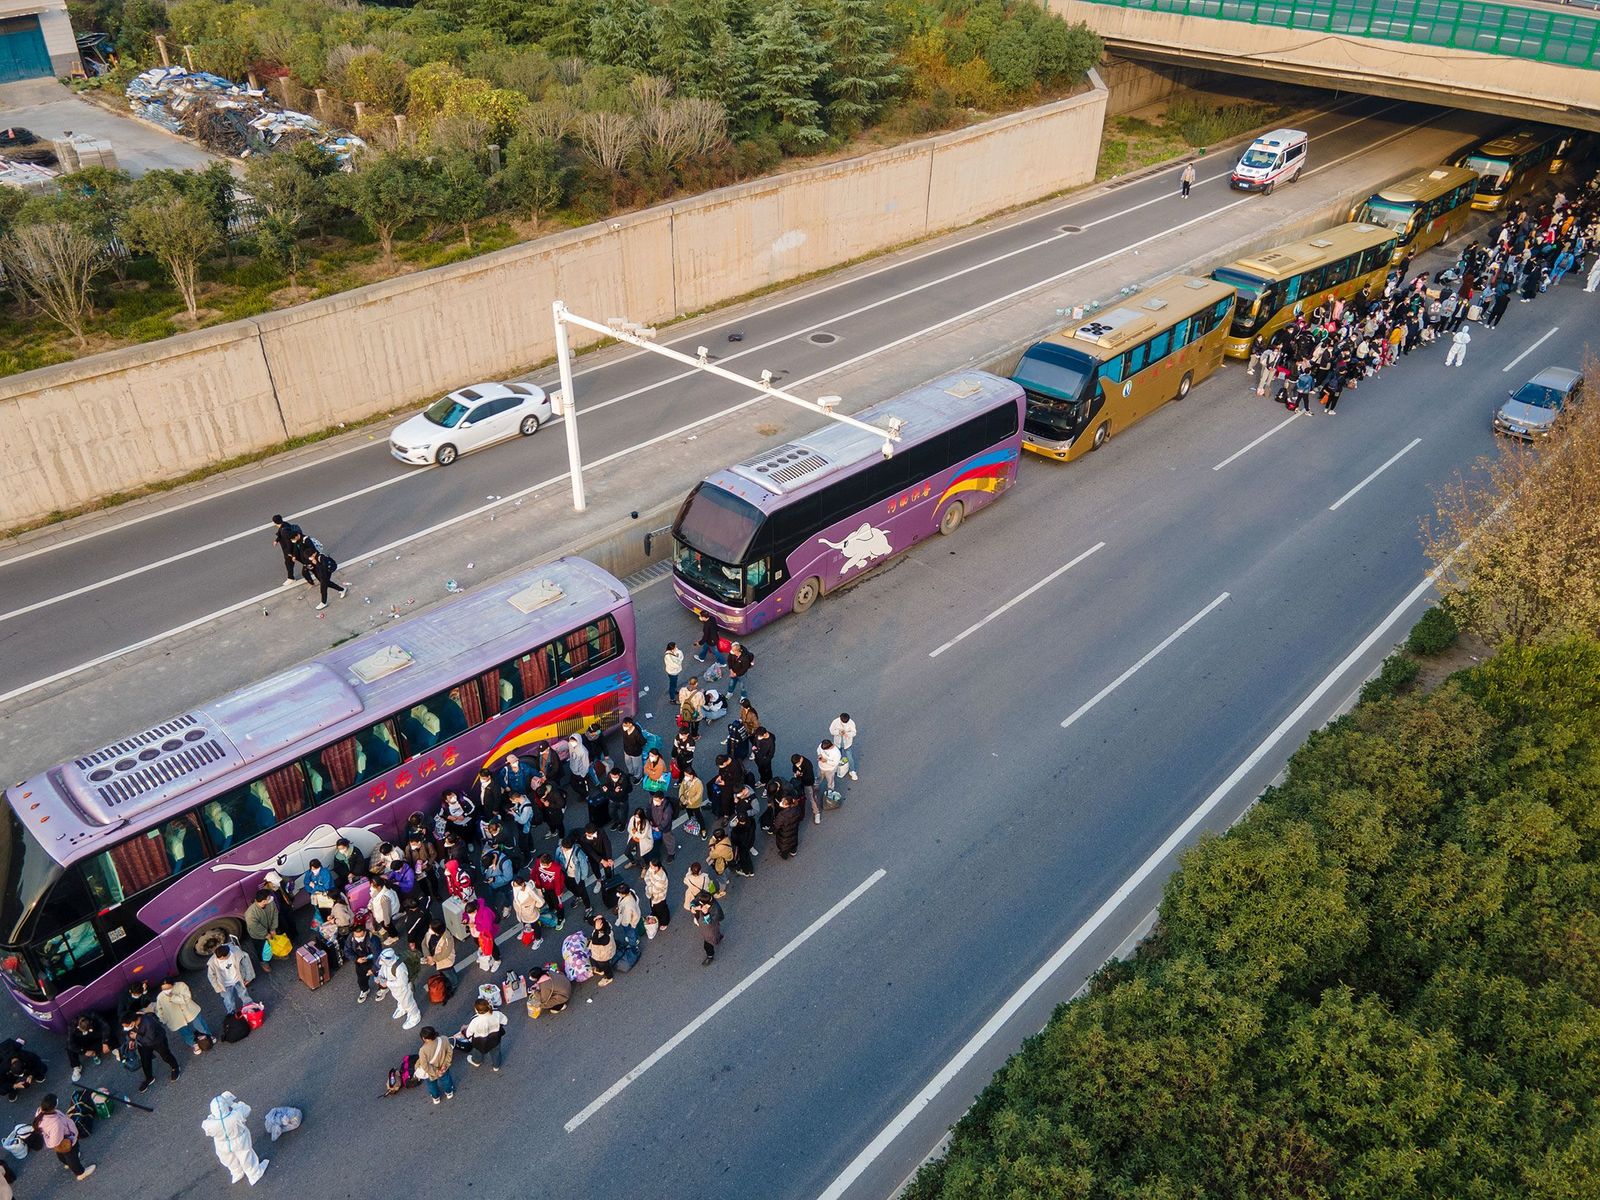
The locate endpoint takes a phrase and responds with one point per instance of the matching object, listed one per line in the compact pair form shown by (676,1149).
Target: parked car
(1532,410)
(469,419)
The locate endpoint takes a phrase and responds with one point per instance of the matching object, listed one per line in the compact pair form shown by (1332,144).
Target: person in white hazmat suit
(228,1127)
(394,978)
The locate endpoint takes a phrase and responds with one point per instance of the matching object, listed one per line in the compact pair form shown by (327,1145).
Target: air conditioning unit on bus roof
(380,663)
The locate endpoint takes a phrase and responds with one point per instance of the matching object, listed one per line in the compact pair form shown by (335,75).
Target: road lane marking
(1410,446)
(1133,670)
(1013,1005)
(1529,350)
(1015,600)
(727,998)
(1283,424)
(809,294)
(710,417)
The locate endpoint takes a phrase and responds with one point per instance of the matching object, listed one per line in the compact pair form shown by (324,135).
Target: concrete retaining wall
(116,421)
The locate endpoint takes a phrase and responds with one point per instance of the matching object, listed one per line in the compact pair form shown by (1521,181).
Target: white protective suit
(228,1127)
(396,980)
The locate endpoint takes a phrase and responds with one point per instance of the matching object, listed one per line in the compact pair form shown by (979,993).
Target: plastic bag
(282,947)
(281,1120)
(16,1143)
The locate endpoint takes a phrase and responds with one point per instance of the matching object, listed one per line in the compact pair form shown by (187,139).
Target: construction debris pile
(234,121)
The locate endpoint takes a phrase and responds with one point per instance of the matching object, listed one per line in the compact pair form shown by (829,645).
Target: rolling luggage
(455,919)
(312,965)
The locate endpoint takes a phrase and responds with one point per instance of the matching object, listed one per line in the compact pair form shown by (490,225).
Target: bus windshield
(1492,172)
(714,534)
(26,873)
(1391,214)
(1256,299)
(1056,380)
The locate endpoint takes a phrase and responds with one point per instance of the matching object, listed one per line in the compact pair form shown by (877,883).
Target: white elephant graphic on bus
(860,547)
(295,858)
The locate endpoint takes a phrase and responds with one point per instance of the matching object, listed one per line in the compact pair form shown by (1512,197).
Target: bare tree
(679,130)
(178,231)
(608,139)
(649,91)
(54,263)
(552,120)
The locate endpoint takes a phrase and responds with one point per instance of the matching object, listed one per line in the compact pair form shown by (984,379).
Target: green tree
(172,224)
(786,64)
(377,79)
(386,192)
(216,189)
(1066,52)
(1013,56)
(862,74)
(623,33)
(457,193)
(288,197)
(534,179)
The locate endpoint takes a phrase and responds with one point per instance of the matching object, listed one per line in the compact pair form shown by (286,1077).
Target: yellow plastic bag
(280,945)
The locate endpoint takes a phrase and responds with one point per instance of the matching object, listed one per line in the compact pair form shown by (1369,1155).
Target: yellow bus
(1276,285)
(1103,372)
(1512,165)
(1425,210)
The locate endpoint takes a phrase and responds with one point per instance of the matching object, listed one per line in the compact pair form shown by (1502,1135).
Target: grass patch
(1188,123)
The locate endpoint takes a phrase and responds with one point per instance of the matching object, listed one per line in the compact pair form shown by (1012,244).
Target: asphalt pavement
(79,600)
(1252,568)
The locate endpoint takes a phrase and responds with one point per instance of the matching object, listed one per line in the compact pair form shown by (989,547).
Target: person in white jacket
(394,978)
(843,732)
(228,1127)
(829,763)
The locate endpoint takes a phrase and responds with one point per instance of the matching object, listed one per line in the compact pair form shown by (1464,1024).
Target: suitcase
(514,987)
(312,965)
(455,919)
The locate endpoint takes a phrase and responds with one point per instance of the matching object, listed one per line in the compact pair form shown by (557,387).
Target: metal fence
(1567,39)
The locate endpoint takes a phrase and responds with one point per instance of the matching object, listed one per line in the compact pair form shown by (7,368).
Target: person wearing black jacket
(804,783)
(786,824)
(742,833)
(612,803)
(362,949)
(89,1038)
(764,748)
(287,534)
(145,1036)
(20,1068)
(322,568)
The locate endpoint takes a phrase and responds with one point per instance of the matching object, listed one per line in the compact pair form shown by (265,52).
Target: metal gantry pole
(569,404)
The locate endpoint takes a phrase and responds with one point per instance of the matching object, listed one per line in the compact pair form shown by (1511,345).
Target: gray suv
(1532,410)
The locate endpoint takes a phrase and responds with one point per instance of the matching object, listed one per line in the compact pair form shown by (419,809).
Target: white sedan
(469,419)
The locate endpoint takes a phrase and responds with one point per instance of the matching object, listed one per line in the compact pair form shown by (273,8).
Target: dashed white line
(1243,450)
(1410,446)
(1133,670)
(727,998)
(1529,350)
(991,1028)
(1015,600)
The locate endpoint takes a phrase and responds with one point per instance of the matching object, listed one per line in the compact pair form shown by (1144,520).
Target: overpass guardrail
(1563,38)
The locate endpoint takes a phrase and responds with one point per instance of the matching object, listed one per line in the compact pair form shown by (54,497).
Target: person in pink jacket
(481,916)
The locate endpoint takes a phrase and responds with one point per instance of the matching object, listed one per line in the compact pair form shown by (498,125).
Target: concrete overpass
(1522,60)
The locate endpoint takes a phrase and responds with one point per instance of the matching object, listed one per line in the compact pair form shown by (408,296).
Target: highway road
(1036,741)
(81,601)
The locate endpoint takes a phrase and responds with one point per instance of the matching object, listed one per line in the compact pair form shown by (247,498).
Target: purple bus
(141,856)
(777,531)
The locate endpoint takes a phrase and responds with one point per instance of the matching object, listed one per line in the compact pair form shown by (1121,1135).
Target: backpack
(235,1028)
(438,988)
(402,1077)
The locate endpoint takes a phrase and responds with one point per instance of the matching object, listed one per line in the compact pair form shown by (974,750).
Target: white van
(1273,158)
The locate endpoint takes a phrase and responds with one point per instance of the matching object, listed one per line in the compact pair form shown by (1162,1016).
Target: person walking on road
(322,566)
(433,1065)
(144,1038)
(672,663)
(656,885)
(1459,341)
(60,1133)
(230,972)
(740,661)
(228,1127)
(394,977)
(708,916)
(710,639)
(287,534)
(1187,180)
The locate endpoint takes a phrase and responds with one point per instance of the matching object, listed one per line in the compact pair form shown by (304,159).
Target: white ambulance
(1273,158)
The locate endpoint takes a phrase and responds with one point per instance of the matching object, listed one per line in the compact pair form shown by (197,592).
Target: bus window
(142,862)
(63,957)
(1180,332)
(237,816)
(1138,359)
(1112,369)
(531,675)
(354,760)
(588,647)
(1291,290)
(452,711)
(1160,346)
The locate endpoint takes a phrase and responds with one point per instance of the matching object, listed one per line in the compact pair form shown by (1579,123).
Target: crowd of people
(1340,344)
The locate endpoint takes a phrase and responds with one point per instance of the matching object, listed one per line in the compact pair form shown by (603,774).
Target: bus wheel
(807,595)
(951,521)
(1185,385)
(206,939)
(1444,238)
(1101,434)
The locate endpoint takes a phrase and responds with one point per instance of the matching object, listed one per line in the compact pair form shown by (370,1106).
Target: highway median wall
(126,419)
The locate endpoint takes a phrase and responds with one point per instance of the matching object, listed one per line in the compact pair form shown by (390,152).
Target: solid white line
(1410,446)
(1015,600)
(710,417)
(1529,350)
(727,998)
(1131,671)
(886,1137)
(1283,424)
(181,505)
